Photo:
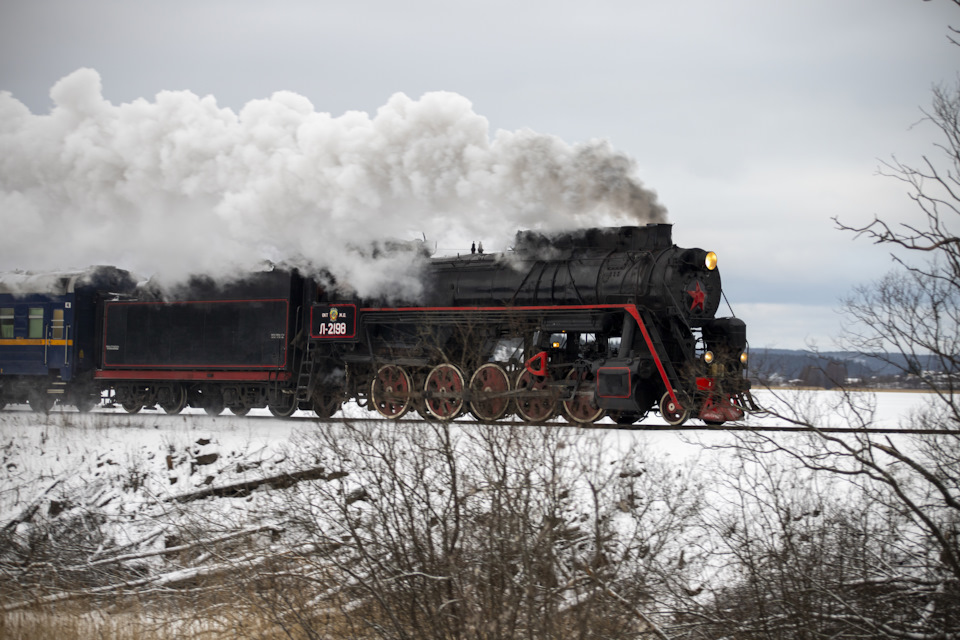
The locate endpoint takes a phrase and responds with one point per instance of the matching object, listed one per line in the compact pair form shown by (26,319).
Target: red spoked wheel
(582,409)
(673,413)
(443,391)
(489,392)
(535,402)
(390,391)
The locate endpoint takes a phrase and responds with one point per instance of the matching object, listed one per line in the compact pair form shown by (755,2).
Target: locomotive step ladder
(306,372)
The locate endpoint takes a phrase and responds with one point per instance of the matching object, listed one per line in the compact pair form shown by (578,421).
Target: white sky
(755,122)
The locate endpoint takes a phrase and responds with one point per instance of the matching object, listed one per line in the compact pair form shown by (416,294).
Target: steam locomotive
(607,321)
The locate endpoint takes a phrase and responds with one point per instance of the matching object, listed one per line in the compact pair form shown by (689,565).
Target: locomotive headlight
(710,262)
(743,358)
(708,357)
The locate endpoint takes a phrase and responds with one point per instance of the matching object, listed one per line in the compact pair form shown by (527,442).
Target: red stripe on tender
(194,376)
(574,307)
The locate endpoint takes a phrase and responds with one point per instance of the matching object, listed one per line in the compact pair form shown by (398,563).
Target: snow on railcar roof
(63,282)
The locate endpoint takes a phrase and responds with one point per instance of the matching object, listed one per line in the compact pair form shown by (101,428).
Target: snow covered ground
(149,477)
(150,456)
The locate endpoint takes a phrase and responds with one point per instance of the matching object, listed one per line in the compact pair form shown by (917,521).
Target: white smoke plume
(180,186)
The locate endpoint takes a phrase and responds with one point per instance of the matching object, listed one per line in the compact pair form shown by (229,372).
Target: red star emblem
(699,298)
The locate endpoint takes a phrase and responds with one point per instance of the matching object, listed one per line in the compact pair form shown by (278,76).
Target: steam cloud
(180,186)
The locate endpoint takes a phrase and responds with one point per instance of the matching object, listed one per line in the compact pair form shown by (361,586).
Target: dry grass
(97,625)
(76,623)
(214,614)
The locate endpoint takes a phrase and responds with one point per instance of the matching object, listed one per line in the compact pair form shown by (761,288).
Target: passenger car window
(35,324)
(6,323)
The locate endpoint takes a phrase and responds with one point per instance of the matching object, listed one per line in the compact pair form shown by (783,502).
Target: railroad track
(652,427)
(557,422)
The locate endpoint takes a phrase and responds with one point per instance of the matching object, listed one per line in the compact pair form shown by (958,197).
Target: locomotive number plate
(333,321)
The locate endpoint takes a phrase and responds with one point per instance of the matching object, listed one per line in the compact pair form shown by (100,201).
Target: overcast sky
(755,122)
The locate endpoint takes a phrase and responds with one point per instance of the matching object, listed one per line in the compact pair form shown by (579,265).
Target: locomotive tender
(610,321)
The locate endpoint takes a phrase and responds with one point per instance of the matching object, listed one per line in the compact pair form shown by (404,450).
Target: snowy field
(160,487)
(128,462)
(37,450)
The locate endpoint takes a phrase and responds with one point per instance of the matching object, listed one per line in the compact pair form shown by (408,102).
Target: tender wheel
(130,397)
(131,407)
(284,406)
(443,389)
(390,391)
(326,404)
(582,409)
(540,405)
(671,412)
(173,399)
(240,411)
(489,389)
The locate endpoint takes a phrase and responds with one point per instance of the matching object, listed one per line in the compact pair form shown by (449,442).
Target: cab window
(35,322)
(6,322)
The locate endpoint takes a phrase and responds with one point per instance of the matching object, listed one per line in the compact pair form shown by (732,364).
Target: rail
(554,422)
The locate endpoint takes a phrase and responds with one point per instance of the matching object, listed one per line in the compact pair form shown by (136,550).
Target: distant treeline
(834,368)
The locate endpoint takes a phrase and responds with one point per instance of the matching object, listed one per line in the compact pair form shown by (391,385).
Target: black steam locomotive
(600,322)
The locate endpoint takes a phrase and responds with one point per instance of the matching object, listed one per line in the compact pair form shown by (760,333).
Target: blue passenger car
(48,335)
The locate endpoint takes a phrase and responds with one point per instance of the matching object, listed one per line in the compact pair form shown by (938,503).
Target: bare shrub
(812,552)
(491,532)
